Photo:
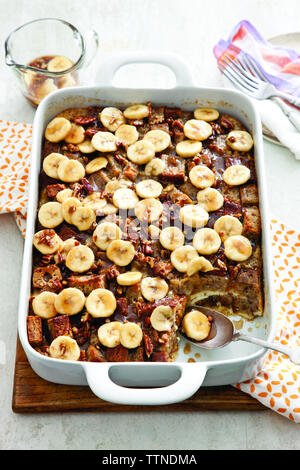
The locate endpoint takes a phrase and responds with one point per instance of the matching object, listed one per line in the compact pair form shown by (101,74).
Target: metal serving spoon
(222,333)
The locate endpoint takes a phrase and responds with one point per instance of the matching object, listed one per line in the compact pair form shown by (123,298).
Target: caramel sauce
(238,324)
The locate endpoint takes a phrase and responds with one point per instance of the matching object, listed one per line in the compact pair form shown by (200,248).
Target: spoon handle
(261,342)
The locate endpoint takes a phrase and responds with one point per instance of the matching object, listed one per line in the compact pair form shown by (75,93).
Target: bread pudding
(144,214)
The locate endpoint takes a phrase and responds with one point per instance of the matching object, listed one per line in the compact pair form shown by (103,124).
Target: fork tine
(233,79)
(254,68)
(249,78)
(230,70)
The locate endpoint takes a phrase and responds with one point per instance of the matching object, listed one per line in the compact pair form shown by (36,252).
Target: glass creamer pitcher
(48,54)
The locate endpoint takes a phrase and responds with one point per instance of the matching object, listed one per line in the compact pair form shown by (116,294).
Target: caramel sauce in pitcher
(39,85)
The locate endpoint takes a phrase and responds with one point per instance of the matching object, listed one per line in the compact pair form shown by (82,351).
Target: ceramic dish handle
(190,379)
(111,65)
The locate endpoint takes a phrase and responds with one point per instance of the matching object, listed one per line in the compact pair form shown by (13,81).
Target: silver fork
(246,76)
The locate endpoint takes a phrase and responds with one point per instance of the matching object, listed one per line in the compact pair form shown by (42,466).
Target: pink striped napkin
(282,68)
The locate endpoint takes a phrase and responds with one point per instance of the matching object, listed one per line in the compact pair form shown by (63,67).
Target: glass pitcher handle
(91,43)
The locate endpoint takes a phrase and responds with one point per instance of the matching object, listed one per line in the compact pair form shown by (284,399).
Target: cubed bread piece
(173,171)
(60,326)
(252,224)
(189,189)
(233,193)
(232,208)
(160,127)
(88,283)
(94,355)
(45,276)
(117,354)
(250,306)
(249,194)
(34,330)
(136,355)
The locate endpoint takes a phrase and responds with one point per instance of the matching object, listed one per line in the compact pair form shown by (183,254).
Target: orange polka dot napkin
(15,148)
(277,386)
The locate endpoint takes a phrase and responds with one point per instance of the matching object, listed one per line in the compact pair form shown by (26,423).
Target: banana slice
(101,303)
(57,129)
(109,334)
(131,335)
(95,201)
(66,81)
(109,209)
(104,142)
(240,140)
(65,348)
(70,171)
(105,233)
(206,114)
(129,279)
(171,238)
(51,164)
(75,134)
(43,305)
(162,318)
(155,167)
(64,250)
(197,130)
(44,89)
(235,175)
(210,199)
(127,134)
(120,252)
(206,241)
(47,241)
(160,139)
(227,226)
(199,264)
(149,209)
(141,152)
(113,185)
(69,301)
(111,118)
(149,188)
(125,198)
(80,259)
(64,194)
(193,216)
(154,232)
(69,206)
(59,64)
(136,111)
(188,148)
(237,248)
(182,256)
(86,146)
(201,176)
(96,164)
(154,288)
(50,214)
(83,218)
(196,325)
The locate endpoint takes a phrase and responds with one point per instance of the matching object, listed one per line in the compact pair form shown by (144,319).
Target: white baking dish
(151,383)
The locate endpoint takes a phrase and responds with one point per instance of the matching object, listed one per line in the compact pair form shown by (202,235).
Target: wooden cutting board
(31,394)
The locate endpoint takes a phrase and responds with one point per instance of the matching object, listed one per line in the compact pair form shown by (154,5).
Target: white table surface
(189,28)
